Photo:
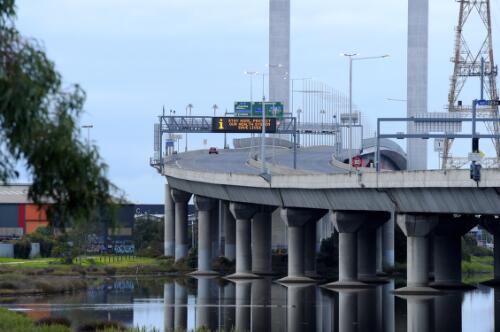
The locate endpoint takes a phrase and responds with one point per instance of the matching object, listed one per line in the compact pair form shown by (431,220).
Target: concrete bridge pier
(181,199)
(261,304)
(448,251)
(203,300)
(243,214)
(348,224)
(295,219)
(229,232)
(242,303)
(417,229)
(181,297)
(492,225)
(369,247)
(204,205)
(261,241)
(310,249)
(169,230)
(419,313)
(168,302)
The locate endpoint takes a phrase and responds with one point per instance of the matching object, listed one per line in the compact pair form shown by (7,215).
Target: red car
(213,150)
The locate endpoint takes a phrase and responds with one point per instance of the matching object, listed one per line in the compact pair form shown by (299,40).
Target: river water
(264,305)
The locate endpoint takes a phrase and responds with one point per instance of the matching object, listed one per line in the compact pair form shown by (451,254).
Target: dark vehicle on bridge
(213,150)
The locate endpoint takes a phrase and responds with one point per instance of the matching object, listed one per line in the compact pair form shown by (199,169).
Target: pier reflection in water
(264,305)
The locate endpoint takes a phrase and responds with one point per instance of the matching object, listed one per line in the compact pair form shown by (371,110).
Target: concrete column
(279,52)
(295,309)
(369,248)
(229,233)
(243,293)
(168,301)
(368,314)
(417,77)
(181,199)
(203,299)
(310,249)
(448,312)
(214,230)
(417,229)
(243,214)
(388,238)
(448,250)
(348,311)
(419,313)
(347,223)
(169,231)
(492,224)
(261,241)
(204,206)
(261,301)
(180,320)
(295,219)
(380,254)
(229,307)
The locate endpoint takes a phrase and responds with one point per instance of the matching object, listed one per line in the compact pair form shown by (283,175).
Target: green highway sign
(245,108)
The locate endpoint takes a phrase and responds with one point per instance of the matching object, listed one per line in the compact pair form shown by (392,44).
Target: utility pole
(473,63)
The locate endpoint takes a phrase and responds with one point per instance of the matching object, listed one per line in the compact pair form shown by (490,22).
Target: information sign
(245,108)
(222,124)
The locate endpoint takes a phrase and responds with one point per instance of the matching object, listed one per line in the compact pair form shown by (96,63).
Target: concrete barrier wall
(6,250)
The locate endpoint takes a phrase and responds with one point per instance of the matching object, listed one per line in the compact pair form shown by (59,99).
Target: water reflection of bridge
(262,305)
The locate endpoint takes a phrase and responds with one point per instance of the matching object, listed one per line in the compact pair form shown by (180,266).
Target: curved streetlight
(352,57)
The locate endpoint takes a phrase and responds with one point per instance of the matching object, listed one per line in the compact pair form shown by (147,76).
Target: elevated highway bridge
(437,205)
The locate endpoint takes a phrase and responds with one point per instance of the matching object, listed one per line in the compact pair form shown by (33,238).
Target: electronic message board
(221,124)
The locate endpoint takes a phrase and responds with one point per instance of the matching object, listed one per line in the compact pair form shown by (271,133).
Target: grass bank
(16,284)
(16,322)
(482,264)
(89,265)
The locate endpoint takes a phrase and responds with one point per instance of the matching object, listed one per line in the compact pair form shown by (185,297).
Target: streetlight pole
(352,58)
(88,127)
(215,107)
(188,107)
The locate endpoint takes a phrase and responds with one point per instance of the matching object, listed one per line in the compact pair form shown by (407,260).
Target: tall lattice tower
(468,63)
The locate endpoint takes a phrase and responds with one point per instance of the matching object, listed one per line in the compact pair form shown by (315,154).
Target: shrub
(192,258)
(110,270)
(100,326)
(22,248)
(327,251)
(49,321)
(43,236)
(222,264)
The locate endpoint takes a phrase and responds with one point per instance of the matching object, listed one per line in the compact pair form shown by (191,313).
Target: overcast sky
(133,57)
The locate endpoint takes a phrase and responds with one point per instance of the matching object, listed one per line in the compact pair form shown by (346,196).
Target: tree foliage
(38,128)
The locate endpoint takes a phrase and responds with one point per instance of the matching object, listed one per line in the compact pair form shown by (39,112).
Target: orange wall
(35,212)
(31,226)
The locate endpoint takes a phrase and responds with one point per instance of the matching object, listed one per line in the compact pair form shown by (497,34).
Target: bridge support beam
(229,232)
(204,206)
(369,248)
(447,247)
(169,230)
(181,199)
(417,229)
(243,214)
(388,242)
(261,241)
(492,224)
(295,219)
